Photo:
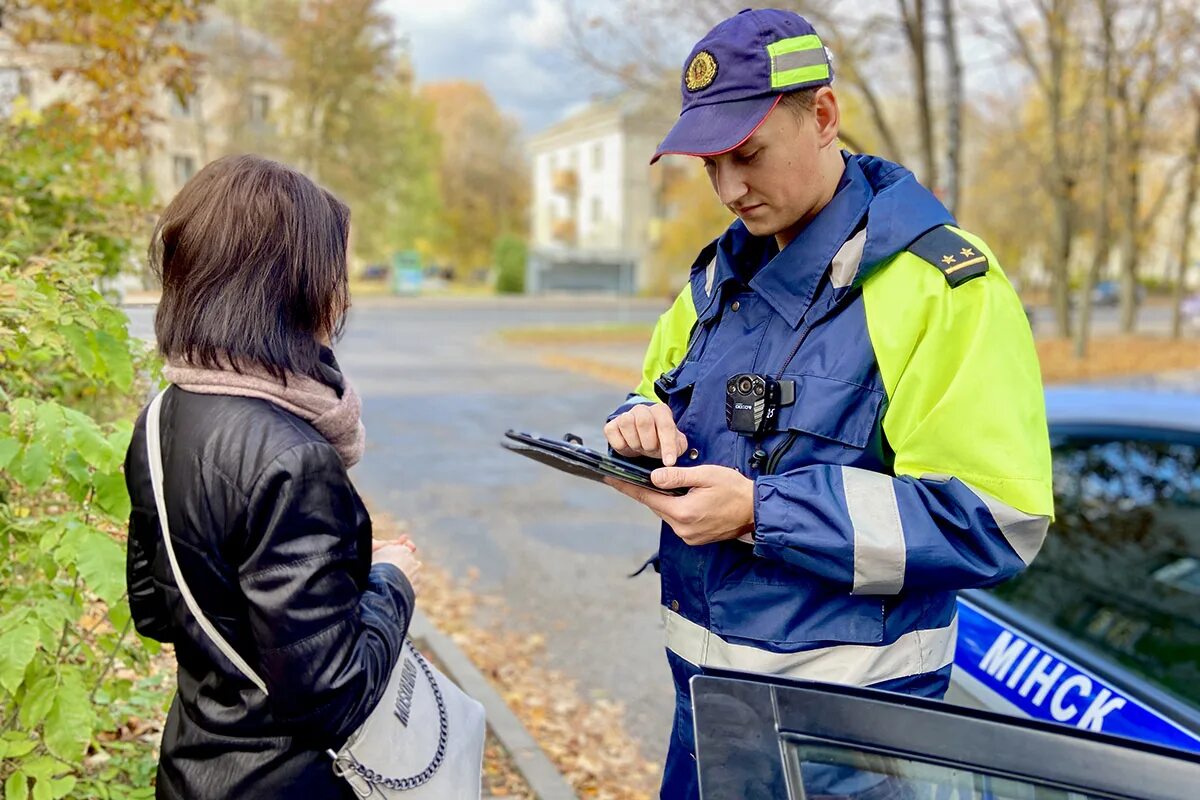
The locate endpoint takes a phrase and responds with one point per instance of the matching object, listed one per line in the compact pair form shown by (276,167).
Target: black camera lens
(759,388)
(744,385)
(732,387)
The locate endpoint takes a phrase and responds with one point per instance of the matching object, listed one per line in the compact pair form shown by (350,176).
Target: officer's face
(782,175)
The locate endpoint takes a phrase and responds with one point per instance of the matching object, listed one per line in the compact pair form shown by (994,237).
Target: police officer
(847,386)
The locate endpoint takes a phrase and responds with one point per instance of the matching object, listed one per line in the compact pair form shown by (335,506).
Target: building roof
(627,110)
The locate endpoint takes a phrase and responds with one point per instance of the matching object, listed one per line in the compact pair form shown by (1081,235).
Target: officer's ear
(828,116)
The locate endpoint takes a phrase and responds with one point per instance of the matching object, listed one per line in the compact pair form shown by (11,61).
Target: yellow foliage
(693,217)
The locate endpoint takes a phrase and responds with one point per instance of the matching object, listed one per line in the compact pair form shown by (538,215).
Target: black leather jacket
(276,546)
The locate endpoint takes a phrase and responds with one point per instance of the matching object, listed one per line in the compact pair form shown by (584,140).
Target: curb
(544,779)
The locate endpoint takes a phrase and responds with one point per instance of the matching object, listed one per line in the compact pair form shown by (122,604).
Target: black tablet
(569,455)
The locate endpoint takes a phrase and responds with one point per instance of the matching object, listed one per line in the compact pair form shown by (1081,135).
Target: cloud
(513,47)
(543,26)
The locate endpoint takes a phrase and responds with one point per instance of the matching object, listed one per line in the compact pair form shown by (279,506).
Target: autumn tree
(120,53)
(482,174)
(693,217)
(1186,222)
(353,121)
(1155,39)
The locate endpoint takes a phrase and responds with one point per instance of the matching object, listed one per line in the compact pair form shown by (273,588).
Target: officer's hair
(800,103)
(252,259)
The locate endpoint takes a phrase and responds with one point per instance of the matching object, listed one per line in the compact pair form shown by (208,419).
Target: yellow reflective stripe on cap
(795,45)
(801,59)
(782,80)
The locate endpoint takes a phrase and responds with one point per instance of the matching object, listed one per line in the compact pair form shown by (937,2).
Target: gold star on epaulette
(948,259)
(967,252)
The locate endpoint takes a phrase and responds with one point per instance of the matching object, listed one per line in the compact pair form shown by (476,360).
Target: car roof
(1119,405)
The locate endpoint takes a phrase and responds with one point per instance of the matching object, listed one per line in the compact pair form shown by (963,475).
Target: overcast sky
(515,48)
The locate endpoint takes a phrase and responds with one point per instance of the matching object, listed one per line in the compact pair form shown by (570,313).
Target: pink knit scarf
(338,419)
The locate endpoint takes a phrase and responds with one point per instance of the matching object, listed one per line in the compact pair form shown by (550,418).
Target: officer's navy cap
(735,76)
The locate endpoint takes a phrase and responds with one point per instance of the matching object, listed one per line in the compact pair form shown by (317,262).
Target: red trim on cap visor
(660,153)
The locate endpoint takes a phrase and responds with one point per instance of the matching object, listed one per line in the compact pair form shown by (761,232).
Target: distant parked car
(1108,293)
(375,272)
(1191,310)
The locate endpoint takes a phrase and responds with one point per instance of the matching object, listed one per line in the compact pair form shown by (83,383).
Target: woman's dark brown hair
(252,258)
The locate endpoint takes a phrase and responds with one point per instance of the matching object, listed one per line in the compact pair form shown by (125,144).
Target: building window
(10,89)
(598,157)
(184,168)
(597,209)
(260,107)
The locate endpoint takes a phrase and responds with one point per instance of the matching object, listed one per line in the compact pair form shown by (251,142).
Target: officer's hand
(646,430)
(718,506)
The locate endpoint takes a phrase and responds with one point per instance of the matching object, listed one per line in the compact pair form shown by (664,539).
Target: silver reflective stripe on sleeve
(879,552)
(1025,533)
(914,653)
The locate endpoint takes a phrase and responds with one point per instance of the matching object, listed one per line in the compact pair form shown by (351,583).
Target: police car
(1078,679)
(1103,630)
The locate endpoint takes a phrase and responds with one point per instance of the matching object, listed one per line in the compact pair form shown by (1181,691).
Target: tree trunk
(914,27)
(1185,239)
(1062,181)
(953,180)
(1103,245)
(1130,191)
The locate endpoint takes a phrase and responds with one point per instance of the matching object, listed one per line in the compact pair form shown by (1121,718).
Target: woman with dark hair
(268,532)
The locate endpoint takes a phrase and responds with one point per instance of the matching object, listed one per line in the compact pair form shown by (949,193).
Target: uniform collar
(897,208)
(789,280)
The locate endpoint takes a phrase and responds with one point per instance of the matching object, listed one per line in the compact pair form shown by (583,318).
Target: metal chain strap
(423,777)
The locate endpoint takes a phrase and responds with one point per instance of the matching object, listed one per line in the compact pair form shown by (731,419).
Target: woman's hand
(402,554)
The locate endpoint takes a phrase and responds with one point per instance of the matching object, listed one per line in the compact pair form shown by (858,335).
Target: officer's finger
(689,477)
(681,442)
(667,434)
(627,429)
(647,430)
(673,477)
(616,440)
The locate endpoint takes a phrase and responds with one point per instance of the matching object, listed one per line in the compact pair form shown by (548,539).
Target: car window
(1120,570)
(828,771)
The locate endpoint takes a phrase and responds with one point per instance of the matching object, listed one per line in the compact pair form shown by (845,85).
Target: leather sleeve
(328,629)
(146,602)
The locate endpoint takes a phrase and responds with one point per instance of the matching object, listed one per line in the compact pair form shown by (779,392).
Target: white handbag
(425,737)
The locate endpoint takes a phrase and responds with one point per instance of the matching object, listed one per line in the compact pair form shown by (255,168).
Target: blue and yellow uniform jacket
(914,461)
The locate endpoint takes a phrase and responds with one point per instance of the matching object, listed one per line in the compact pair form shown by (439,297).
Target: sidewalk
(540,777)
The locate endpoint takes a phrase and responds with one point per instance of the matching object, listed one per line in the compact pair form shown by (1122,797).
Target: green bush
(510,257)
(74,680)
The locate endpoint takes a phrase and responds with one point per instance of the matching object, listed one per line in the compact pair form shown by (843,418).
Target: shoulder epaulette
(958,259)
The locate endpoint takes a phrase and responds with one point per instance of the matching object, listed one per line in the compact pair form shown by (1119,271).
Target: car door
(763,737)
(1103,630)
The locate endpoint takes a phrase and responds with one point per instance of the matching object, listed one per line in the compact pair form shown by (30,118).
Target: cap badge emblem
(701,72)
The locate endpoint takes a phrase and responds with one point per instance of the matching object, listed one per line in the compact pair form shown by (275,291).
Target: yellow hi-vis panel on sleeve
(668,344)
(961,373)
